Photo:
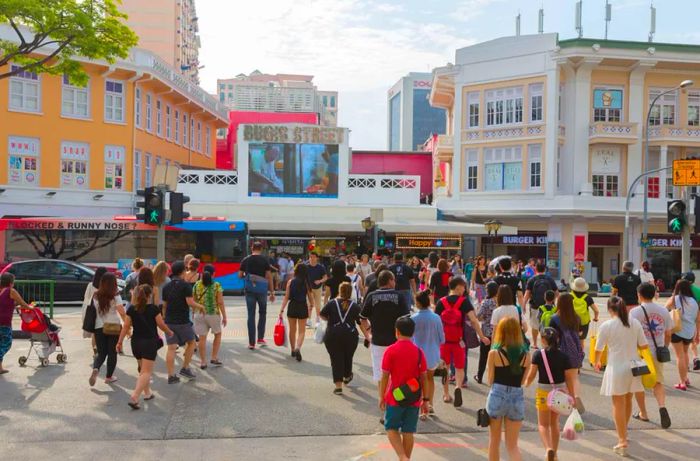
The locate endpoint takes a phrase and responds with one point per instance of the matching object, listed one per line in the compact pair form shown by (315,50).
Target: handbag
(639,368)
(677,317)
(320,333)
(482,418)
(663,354)
(558,401)
(407,394)
(112,328)
(255,284)
(279,332)
(471,339)
(90,317)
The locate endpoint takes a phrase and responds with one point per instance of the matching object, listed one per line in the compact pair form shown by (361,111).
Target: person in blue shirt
(428,336)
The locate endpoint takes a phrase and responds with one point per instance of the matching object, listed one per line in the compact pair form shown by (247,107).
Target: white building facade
(547,135)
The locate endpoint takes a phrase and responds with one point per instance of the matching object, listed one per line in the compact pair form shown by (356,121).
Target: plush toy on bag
(280,333)
(592,351)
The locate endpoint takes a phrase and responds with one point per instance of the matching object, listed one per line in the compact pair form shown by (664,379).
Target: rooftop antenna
(652,29)
(540,21)
(579,11)
(517,25)
(608,16)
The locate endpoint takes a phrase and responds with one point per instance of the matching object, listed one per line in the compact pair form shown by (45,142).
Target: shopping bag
(279,332)
(593,342)
(648,380)
(573,426)
(320,333)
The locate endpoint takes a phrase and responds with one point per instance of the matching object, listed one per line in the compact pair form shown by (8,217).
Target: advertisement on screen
(293,170)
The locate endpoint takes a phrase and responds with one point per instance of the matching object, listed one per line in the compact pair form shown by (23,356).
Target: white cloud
(468,10)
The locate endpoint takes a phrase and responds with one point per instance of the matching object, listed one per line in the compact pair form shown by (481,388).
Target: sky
(362,47)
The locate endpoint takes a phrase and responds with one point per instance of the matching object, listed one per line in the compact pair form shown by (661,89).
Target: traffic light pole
(685,246)
(375,238)
(160,236)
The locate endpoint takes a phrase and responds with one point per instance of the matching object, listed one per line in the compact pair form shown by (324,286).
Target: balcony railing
(674,133)
(620,132)
(504,132)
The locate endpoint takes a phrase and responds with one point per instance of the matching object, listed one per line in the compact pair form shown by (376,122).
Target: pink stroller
(43,337)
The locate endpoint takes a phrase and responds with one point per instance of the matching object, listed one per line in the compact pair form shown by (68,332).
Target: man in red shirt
(403,368)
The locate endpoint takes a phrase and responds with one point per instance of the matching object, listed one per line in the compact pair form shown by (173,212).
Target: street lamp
(492,227)
(368,224)
(645,219)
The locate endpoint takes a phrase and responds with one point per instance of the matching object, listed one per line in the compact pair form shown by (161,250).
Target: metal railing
(39,292)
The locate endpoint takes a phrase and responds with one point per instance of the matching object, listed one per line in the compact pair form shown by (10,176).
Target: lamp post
(645,219)
(369,224)
(492,227)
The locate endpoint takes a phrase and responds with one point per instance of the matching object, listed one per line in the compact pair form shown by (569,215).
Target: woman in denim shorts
(507,362)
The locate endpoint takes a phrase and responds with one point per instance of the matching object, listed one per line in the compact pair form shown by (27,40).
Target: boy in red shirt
(403,367)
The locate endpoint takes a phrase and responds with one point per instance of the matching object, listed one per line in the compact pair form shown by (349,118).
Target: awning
(441,227)
(308,225)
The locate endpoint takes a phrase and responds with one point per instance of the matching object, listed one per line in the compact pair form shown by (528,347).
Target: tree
(61,30)
(50,244)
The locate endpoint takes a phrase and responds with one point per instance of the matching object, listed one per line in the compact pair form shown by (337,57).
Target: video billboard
(293,170)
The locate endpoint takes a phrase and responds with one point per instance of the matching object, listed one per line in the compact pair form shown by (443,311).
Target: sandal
(3,371)
(620,450)
(638,417)
(681,387)
(447,399)
(423,417)
(216,362)
(150,397)
(134,405)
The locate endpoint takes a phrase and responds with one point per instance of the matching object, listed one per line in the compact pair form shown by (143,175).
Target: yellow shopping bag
(591,351)
(648,381)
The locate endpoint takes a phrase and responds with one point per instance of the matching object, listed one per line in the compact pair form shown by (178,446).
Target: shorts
(506,402)
(583,330)
(453,353)
(534,318)
(146,349)
(404,419)
(377,353)
(182,334)
(677,339)
(205,322)
(297,310)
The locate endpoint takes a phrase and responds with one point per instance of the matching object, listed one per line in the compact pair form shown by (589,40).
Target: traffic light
(675,216)
(177,213)
(153,206)
(381,239)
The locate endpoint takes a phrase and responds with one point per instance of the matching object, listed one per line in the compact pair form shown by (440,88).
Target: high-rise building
(410,118)
(260,92)
(169,29)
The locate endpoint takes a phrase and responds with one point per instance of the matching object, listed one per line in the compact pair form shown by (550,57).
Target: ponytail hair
(619,308)
(207,279)
(142,294)
(345,294)
(423,299)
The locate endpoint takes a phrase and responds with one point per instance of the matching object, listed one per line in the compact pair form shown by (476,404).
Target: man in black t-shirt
(177,302)
(257,272)
(405,279)
(506,277)
(535,291)
(625,285)
(316,275)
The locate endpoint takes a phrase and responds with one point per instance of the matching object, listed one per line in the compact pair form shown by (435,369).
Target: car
(71,278)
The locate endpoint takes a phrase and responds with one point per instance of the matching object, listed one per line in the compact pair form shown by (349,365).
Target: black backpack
(540,286)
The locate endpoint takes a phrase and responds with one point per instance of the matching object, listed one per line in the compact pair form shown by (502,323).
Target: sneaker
(187,373)
(173,379)
(262,343)
(458,397)
(93,377)
(111,379)
(203,366)
(251,347)
(453,379)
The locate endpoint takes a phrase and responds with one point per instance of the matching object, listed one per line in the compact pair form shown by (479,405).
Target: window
(168,130)
(157,161)
(207,143)
(694,108)
(472,164)
(605,185)
(504,106)
(184,129)
(222,97)
(159,118)
(558,166)
(199,136)
(230,86)
(664,110)
(607,105)
(147,170)
(534,160)
(192,138)
(536,91)
(669,187)
(114,167)
(74,100)
(23,168)
(325,101)
(473,109)
(137,107)
(503,168)
(149,113)
(332,101)
(114,101)
(74,164)
(137,170)
(653,187)
(25,91)
(177,126)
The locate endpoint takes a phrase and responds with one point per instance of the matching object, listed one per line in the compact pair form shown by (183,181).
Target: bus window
(222,247)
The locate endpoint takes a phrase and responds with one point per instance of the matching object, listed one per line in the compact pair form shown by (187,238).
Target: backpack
(451,318)
(581,308)
(128,288)
(355,289)
(540,286)
(545,314)
(570,344)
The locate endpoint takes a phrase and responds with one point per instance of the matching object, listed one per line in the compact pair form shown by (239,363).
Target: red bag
(279,333)
(452,320)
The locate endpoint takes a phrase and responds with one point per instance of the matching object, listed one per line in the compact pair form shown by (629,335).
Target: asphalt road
(266,402)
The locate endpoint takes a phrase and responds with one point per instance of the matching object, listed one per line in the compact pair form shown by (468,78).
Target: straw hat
(580,285)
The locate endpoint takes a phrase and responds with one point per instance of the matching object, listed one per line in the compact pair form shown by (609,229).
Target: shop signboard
(686,172)
(554,259)
(429,242)
(521,239)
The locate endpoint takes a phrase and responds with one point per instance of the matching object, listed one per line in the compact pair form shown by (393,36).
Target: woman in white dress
(623,336)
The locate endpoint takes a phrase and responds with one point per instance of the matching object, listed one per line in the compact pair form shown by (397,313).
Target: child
(562,372)
(582,302)
(403,362)
(488,305)
(547,310)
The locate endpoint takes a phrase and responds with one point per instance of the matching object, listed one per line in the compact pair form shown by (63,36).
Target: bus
(116,241)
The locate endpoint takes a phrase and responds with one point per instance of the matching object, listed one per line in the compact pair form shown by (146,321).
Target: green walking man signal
(153,205)
(676,216)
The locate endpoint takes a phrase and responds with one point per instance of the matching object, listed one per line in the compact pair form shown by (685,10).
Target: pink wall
(384,162)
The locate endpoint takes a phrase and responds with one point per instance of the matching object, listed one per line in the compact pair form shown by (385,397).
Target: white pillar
(663,161)
(637,114)
(566,171)
(551,130)
(456,173)
(581,124)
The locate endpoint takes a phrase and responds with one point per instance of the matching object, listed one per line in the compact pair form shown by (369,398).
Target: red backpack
(451,318)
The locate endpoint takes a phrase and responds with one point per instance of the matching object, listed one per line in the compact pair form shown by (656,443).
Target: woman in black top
(338,276)
(296,295)
(145,342)
(563,375)
(480,278)
(343,316)
(440,281)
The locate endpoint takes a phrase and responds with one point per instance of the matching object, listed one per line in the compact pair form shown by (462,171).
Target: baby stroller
(43,337)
